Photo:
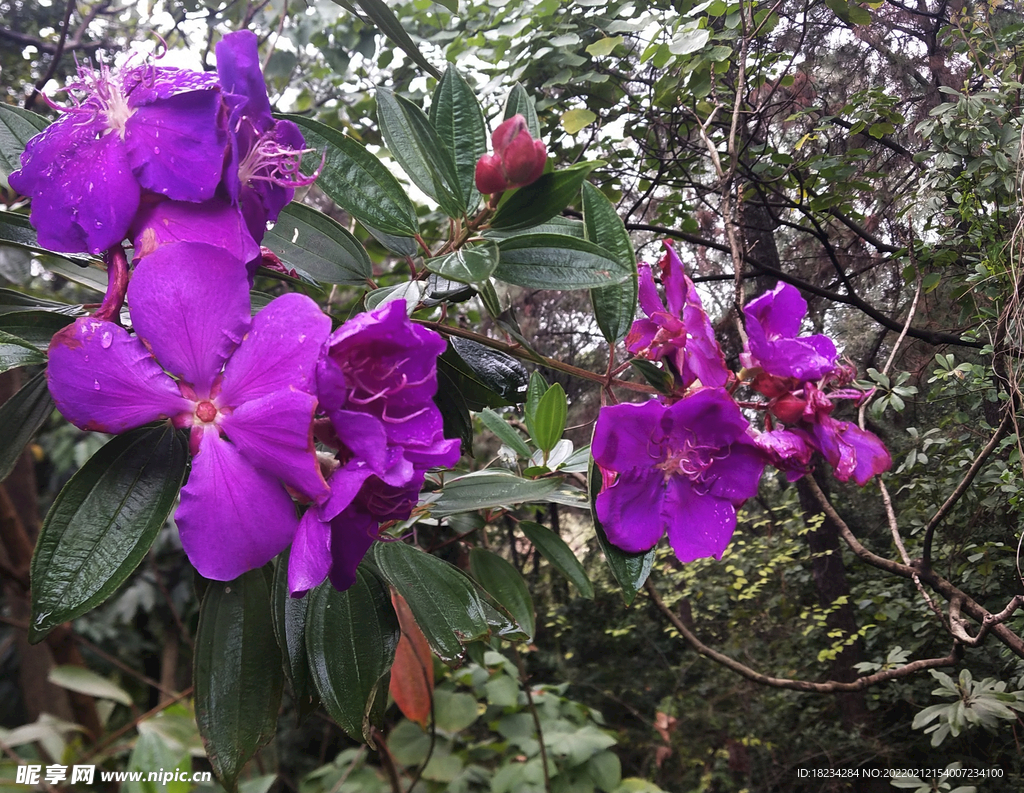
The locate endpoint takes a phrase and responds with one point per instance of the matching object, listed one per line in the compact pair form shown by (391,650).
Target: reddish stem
(117,285)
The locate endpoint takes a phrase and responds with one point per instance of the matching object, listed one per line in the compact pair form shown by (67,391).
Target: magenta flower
(679,333)
(244,386)
(142,128)
(265,155)
(773,322)
(518,159)
(680,469)
(376,382)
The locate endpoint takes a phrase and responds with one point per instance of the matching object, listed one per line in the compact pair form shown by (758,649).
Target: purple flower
(142,128)
(681,469)
(679,333)
(265,155)
(773,322)
(245,386)
(376,382)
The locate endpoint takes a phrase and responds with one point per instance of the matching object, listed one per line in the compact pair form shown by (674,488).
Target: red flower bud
(518,159)
(789,408)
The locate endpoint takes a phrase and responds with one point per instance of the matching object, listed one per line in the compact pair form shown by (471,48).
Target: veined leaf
(555,261)
(455,114)
(488,489)
(614,305)
(559,555)
(20,417)
(15,352)
(506,585)
(17,126)
(319,246)
(543,199)
(521,103)
(469,265)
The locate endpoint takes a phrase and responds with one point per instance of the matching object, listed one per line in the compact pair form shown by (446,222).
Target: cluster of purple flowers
(191,168)
(682,464)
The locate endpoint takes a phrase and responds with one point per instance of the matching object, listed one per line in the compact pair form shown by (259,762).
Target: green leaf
(150,754)
(630,569)
(103,523)
(603,47)
(85,681)
(488,489)
(238,676)
(555,261)
(468,265)
(356,180)
(351,638)
(495,370)
(445,603)
(15,352)
(454,413)
(12,300)
(575,120)
(556,225)
(35,328)
(418,149)
(559,555)
(319,246)
(606,771)
(504,432)
(541,200)
(290,630)
(661,379)
(454,711)
(455,114)
(388,24)
(536,389)
(20,417)
(403,246)
(521,103)
(613,305)
(17,126)
(548,422)
(16,230)
(506,585)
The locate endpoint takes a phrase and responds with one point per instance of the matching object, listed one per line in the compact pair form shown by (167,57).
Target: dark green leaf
(496,370)
(17,126)
(319,246)
(238,676)
(549,419)
(505,433)
(556,225)
(445,603)
(454,413)
(417,148)
(35,328)
(555,261)
(613,305)
(559,555)
(469,265)
(351,638)
(542,200)
(12,300)
(388,24)
(103,524)
(488,489)
(403,246)
(440,290)
(356,180)
(630,569)
(474,394)
(660,378)
(506,585)
(16,230)
(521,103)
(20,417)
(15,352)
(489,297)
(290,630)
(455,114)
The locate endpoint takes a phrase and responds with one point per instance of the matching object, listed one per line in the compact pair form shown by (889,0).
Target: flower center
(690,461)
(269,161)
(206,412)
(109,92)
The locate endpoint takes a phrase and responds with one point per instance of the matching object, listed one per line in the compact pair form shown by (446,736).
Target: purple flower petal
(190,305)
(238,71)
(275,433)
(631,509)
(737,472)
(279,351)
(83,192)
(773,322)
(364,436)
(345,484)
(103,379)
(707,418)
(699,525)
(232,518)
(623,436)
(352,534)
(310,556)
(215,222)
(177,145)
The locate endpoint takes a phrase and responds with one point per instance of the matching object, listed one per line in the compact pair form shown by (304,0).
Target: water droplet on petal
(96,385)
(105,341)
(156,150)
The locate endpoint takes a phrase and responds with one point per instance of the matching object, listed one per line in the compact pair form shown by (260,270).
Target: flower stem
(117,285)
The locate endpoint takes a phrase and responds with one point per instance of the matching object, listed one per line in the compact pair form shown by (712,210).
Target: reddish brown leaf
(412,675)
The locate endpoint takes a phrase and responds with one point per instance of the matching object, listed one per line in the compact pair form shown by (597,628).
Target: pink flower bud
(518,159)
